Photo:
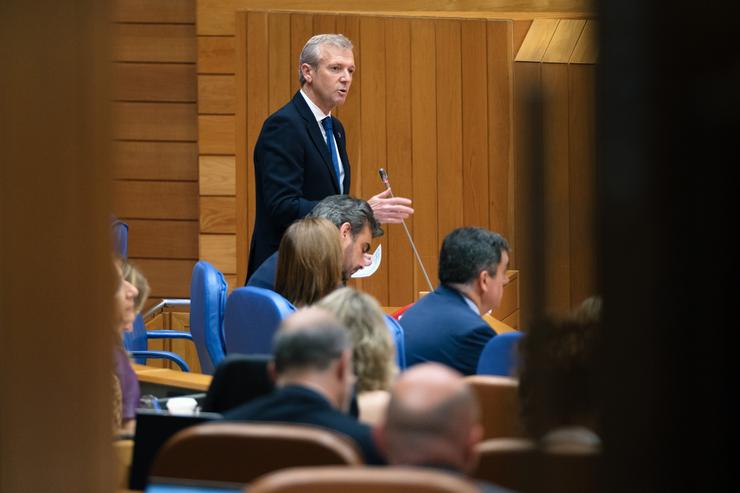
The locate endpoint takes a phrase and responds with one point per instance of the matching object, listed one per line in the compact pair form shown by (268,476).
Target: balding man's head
(432,418)
(312,348)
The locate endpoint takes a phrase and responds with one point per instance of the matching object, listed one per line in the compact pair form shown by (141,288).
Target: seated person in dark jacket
(312,364)
(432,420)
(446,325)
(357,227)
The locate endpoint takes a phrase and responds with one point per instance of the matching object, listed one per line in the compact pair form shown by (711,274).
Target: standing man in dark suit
(301,153)
(312,368)
(446,325)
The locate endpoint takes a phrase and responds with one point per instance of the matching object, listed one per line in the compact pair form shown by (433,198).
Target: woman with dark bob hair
(310,261)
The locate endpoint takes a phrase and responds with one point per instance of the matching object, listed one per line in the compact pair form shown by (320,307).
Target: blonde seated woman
(310,261)
(373,353)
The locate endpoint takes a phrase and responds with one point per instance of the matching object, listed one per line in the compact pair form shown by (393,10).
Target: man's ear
(306,71)
(272,372)
(345,230)
(482,281)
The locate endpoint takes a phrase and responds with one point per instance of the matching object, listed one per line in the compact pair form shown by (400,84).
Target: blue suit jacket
(264,276)
(441,327)
(293,172)
(301,405)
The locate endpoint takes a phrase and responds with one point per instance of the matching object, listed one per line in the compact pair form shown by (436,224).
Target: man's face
(355,249)
(495,284)
(329,83)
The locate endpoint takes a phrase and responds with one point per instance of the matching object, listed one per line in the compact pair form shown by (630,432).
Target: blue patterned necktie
(329,128)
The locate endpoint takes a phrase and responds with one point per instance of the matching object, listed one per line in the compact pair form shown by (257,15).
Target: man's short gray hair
(311,345)
(340,209)
(311,53)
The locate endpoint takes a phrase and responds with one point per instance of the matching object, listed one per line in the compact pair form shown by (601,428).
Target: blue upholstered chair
(499,356)
(136,344)
(251,318)
(397,335)
(207,303)
(120,237)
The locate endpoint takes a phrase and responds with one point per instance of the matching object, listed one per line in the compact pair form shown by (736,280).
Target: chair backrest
(136,339)
(499,405)
(520,465)
(238,379)
(207,303)
(120,238)
(241,452)
(507,462)
(499,356)
(251,318)
(397,334)
(333,479)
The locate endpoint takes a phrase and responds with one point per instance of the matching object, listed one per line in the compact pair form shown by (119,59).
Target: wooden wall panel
(373,145)
(154,11)
(399,164)
(155,121)
(163,239)
(454,157)
(154,43)
(216,94)
(172,82)
(449,127)
(217,175)
(424,152)
(216,55)
(174,200)
(220,251)
(474,108)
(216,17)
(217,215)
(216,134)
(155,160)
(168,278)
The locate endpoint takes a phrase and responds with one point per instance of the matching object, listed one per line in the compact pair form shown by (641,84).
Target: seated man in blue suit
(357,227)
(312,367)
(446,325)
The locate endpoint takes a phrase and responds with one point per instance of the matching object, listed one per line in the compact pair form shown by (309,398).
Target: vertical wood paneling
(301,29)
(242,161)
(475,200)
(372,46)
(325,23)
(582,152)
(349,112)
(527,78)
(449,127)
(282,71)
(557,190)
(423,150)
(398,108)
(501,175)
(257,95)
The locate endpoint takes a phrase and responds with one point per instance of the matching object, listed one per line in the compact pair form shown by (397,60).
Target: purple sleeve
(129,384)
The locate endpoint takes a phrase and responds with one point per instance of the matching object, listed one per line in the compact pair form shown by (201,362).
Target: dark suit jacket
(441,327)
(301,405)
(293,172)
(264,276)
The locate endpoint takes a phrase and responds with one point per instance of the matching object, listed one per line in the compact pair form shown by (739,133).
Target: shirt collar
(317,113)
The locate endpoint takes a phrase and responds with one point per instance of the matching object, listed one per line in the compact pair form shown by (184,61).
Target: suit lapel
(312,126)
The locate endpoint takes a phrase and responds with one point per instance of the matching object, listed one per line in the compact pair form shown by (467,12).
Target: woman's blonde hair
(135,277)
(373,352)
(310,261)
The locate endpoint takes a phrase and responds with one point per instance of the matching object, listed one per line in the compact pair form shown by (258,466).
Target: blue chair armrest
(161,355)
(168,334)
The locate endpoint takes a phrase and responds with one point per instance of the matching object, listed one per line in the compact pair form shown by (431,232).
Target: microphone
(384,178)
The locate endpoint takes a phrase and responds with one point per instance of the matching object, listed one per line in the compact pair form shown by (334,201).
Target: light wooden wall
(557,59)
(155,132)
(388,123)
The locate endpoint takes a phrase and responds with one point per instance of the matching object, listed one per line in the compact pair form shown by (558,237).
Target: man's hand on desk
(389,209)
